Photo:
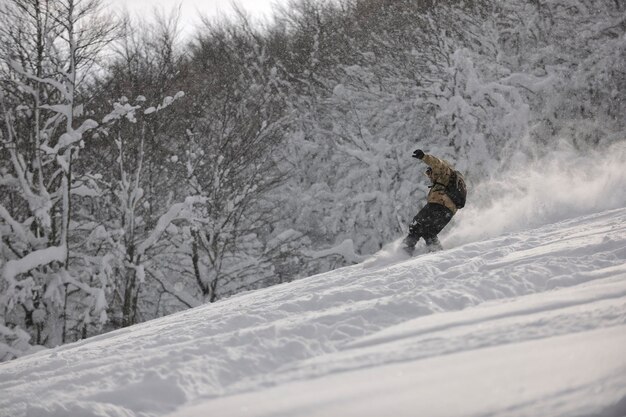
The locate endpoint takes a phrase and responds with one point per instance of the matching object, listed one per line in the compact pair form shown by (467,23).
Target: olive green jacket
(442,171)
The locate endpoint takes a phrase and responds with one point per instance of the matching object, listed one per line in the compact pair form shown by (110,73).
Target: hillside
(144,175)
(523,324)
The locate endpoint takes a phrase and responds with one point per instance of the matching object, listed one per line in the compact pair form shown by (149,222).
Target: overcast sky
(192,9)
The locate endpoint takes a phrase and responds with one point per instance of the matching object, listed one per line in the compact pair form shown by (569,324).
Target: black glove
(419,154)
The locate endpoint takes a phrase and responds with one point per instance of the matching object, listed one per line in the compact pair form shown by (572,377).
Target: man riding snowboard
(439,208)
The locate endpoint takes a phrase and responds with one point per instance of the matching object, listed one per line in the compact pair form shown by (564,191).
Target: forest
(142,174)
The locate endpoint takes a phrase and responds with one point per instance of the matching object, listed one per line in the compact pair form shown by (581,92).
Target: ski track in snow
(560,281)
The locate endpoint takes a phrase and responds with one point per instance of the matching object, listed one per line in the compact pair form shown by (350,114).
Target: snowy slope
(531,323)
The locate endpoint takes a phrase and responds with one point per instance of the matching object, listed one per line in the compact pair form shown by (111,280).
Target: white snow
(529,323)
(34,259)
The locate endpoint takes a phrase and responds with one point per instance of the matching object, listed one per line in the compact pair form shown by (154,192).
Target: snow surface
(531,323)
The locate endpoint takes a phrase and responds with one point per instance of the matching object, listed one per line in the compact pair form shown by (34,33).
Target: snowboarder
(439,208)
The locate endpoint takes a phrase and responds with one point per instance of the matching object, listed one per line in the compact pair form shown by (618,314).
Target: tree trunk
(127,307)
(195,258)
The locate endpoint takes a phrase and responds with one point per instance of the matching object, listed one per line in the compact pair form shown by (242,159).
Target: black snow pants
(427,224)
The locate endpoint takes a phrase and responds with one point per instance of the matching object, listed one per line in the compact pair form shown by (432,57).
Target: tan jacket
(442,171)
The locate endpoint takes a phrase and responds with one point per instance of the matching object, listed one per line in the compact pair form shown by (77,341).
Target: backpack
(456,189)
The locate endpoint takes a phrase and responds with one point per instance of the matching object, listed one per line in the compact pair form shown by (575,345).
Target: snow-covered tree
(234,159)
(135,244)
(573,81)
(43,129)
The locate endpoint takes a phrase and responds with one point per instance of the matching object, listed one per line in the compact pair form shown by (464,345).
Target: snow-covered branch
(58,85)
(179,210)
(33,260)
